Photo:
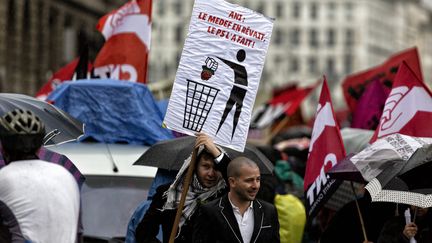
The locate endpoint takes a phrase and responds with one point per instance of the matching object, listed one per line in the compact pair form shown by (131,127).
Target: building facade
(310,38)
(40,36)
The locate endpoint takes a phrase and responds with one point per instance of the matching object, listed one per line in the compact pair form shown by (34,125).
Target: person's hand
(204,139)
(410,230)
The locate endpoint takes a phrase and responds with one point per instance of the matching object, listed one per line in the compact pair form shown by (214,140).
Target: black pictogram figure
(238,91)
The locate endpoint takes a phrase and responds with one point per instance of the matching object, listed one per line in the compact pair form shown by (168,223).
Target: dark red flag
(408,108)
(354,85)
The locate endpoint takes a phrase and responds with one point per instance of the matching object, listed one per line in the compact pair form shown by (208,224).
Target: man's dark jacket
(216,223)
(148,228)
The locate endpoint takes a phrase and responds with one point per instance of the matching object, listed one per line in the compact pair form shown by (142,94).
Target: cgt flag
(127,32)
(408,108)
(63,74)
(325,150)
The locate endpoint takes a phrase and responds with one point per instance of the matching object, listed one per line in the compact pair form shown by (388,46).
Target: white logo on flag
(401,107)
(129,19)
(117,71)
(323,118)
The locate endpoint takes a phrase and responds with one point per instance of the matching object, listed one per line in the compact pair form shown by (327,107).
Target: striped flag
(127,32)
(286,102)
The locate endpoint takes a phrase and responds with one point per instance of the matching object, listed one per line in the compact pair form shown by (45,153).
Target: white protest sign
(219,72)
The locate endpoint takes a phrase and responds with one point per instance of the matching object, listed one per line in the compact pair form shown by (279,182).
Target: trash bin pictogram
(199,101)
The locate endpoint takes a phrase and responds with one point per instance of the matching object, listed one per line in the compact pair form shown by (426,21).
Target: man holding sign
(202,94)
(207,184)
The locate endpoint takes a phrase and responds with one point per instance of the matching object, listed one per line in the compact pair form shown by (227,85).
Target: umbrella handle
(50,136)
(359,212)
(186,183)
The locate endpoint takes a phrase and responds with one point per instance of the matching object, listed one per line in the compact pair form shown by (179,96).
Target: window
(313,38)
(166,70)
(260,8)
(277,60)
(348,11)
(161,7)
(278,36)
(161,34)
(349,38)
(295,37)
(348,64)
(331,10)
(179,33)
(314,11)
(312,65)
(331,37)
(177,5)
(330,66)
(294,64)
(279,9)
(296,10)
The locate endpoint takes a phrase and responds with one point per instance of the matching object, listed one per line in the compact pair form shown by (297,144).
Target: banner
(219,72)
(408,108)
(354,85)
(325,150)
(127,32)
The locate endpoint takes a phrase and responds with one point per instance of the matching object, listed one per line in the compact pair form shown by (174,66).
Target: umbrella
(60,126)
(408,183)
(383,153)
(170,154)
(50,156)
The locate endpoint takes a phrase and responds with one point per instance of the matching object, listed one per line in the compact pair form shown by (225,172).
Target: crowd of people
(228,199)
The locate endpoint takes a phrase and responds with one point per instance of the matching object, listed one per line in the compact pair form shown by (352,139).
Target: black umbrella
(60,126)
(346,170)
(170,154)
(408,183)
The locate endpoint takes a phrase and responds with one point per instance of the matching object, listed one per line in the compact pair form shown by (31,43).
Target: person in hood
(208,183)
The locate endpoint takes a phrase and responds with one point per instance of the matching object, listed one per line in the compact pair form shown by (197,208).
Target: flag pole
(186,183)
(359,213)
(278,128)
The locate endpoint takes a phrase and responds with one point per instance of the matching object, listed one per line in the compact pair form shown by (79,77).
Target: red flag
(354,85)
(65,73)
(291,99)
(408,108)
(325,150)
(127,33)
(287,101)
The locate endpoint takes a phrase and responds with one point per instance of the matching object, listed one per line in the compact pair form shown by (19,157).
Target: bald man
(238,216)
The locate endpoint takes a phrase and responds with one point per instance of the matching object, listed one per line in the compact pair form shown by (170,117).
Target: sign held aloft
(219,72)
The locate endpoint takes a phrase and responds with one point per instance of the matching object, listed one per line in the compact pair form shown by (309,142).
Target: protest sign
(219,72)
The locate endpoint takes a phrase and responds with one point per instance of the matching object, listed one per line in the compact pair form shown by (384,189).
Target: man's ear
(231,181)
